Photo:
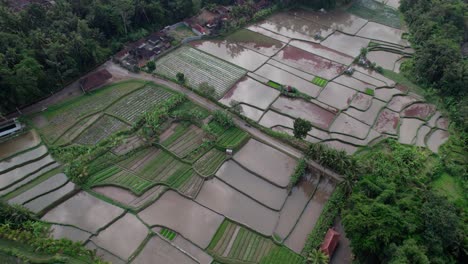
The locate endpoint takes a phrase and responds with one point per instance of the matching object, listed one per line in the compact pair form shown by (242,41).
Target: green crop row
(370,91)
(281,255)
(209,162)
(170,235)
(178,179)
(232,138)
(274,85)
(130,181)
(179,130)
(103,175)
(319,81)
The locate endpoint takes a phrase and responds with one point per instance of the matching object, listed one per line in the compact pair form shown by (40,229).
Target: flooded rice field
(197,253)
(232,52)
(387,60)
(44,187)
(252,185)
(257,42)
(373,135)
(195,222)
(324,51)
(160,251)
(349,45)
(269,33)
(409,129)
(368,116)
(317,115)
(72,233)
(387,122)
(272,119)
(348,125)
(386,94)
(353,83)
(267,162)
(19,143)
(421,137)
(338,145)
(361,101)
(336,95)
(422,110)
(17,160)
(380,32)
(249,91)
(251,112)
(436,139)
(310,63)
(19,173)
(399,102)
(295,27)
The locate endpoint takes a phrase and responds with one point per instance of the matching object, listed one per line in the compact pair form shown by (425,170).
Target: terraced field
(186,141)
(233,243)
(209,163)
(199,67)
(100,130)
(232,138)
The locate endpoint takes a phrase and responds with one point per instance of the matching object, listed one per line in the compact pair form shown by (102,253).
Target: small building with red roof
(330,242)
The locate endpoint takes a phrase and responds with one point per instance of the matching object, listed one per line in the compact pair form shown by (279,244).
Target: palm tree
(317,257)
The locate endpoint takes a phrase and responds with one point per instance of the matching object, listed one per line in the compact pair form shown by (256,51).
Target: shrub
(207,90)
(301,128)
(298,173)
(223,118)
(151,65)
(181,78)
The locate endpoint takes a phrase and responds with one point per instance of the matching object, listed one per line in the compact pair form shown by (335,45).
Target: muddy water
(362,101)
(257,42)
(159,251)
(387,122)
(370,115)
(281,76)
(371,73)
(195,222)
(383,58)
(83,211)
(251,112)
(386,94)
(338,145)
(346,44)
(306,110)
(251,185)
(299,73)
(347,125)
(436,139)
(223,199)
(232,52)
(309,62)
(43,187)
(365,77)
(18,144)
(336,19)
(294,27)
(353,83)
(409,129)
(423,111)
(269,163)
(269,33)
(22,158)
(383,33)
(357,142)
(336,95)
(39,204)
(103,254)
(30,178)
(17,174)
(194,251)
(249,91)
(123,237)
(116,193)
(68,232)
(399,102)
(309,217)
(272,119)
(421,138)
(295,204)
(323,50)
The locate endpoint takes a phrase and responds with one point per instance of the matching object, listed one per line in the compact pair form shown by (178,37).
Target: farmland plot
(257,42)
(250,92)
(19,144)
(100,130)
(383,33)
(159,251)
(18,160)
(232,138)
(20,173)
(324,50)
(209,163)
(199,67)
(132,107)
(187,142)
(41,203)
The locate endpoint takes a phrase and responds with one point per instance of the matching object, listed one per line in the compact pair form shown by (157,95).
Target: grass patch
(370,91)
(319,81)
(448,186)
(169,234)
(274,85)
(401,79)
(377,12)
(248,36)
(179,130)
(232,138)
(219,234)
(210,162)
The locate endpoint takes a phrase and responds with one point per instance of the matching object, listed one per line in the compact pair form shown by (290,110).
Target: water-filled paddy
(46,186)
(10,177)
(323,50)
(422,111)
(272,119)
(160,251)
(368,116)
(409,129)
(349,45)
(19,143)
(348,125)
(336,95)
(387,122)
(385,59)
(353,83)
(421,137)
(251,92)
(383,33)
(338,145)
(361,101)
(269,33)
(436,139)
(68,232)
(257,42)
(399,102)
(251,112)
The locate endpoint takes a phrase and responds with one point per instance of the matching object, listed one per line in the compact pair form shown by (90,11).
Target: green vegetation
(448,186)
(377,12)
(186,143)
(169,234)
(299,172)
(370,91)
(319,81)
(232,138)
(223,118)
(401,79)
(209,163)
(248,36)
(301,128)
(274,85)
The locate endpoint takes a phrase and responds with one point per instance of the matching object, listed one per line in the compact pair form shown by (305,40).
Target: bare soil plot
(193,221)
(257,42)
(20,173)
(297,239)
(133,106)
(18,144)
(349,45)
(295,204)
(387,122)
(300,108)
(252,185)
(361,101)
(18,160)
(436,139)
(348,125)
(231,203)
(201,256)
(294,27)
(336,95)
(250,92)
(368,116)
(422,111)
(269,163)
(409,130)
(83,211)
(309,62)
(272,119)
(100,130)
(385,59)
(123,237)
(338,145)
(160,251)
(323,50)
(199,67)
(269,33)
(232,52)
(382,33)
(44,187)
(335,19)
(283,77)
(72,233)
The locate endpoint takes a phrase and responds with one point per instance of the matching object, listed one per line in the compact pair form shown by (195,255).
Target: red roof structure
(95,80)
(330,242)
(199,28)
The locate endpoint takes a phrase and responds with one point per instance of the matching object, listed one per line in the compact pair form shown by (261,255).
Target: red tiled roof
(95,79)
(199,28)
(330,242)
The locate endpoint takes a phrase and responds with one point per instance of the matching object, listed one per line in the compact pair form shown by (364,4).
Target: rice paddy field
(171,190)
